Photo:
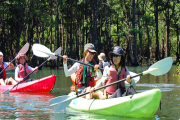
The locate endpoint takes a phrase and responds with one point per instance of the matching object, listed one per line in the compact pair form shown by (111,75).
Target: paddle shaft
(109,85)
(79,62)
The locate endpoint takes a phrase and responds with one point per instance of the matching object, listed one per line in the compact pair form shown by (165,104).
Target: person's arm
(30,69)
(133,81)
(105,76)
(72,70)
(10,66)
(16,75)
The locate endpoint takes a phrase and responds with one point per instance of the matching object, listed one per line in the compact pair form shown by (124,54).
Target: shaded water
(21,106)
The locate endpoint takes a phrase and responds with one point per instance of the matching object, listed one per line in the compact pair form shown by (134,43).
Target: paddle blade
(6,92)
(60,103)
(161,67)
(24,49)
(41,50)
(57,52)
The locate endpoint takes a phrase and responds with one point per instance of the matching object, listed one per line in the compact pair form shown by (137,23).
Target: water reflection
(22,106)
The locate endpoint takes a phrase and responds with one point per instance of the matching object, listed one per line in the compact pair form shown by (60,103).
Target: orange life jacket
(3,75)
(23,71)
(89,81)
(114,76)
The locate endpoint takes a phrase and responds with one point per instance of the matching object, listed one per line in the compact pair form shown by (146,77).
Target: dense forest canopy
(147,30)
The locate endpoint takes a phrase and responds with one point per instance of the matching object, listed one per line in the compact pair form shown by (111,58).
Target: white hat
(102,56)
(1,53)
(90,47)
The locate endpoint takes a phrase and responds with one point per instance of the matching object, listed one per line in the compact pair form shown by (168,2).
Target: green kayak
(143,104)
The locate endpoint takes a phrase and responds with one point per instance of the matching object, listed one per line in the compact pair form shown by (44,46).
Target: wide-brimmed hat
(22,55)
(1,53)
(90,47)
(116,50)
(102,56)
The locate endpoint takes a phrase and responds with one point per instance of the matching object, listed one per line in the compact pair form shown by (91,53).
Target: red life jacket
(114,76)
(89,81)
(23,71)
(4,72)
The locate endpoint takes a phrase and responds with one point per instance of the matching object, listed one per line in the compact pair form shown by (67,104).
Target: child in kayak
(113,72)
(84,79)
(23,69)
(102,63)
(3,65)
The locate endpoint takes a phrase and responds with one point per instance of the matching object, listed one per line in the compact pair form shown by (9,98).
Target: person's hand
(96,67)
(10,65)
(128,79)
(65,57)
(91,90)
(21,79)
(36,68)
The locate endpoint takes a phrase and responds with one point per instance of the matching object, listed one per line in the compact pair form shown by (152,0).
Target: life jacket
(3,75)
(84,76)
(114,76)
(23,71)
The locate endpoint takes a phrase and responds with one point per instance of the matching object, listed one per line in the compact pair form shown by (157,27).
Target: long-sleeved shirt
(5,65)
(30,69)
(106,75)
(75,68)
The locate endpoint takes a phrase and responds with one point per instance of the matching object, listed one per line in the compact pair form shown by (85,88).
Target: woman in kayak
(85,77)
(3,65)
(113,72)
(22,68)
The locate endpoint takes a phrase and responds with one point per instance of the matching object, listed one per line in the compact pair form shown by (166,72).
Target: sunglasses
(92,53)
(117,56)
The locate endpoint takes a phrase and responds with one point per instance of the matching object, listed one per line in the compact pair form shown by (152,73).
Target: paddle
(50,58)
(43,51)
(159,68)
(23,50)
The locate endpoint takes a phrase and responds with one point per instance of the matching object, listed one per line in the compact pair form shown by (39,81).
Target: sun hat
(21,55)
(90,47)
(1,53)
(116,50)
(102,56)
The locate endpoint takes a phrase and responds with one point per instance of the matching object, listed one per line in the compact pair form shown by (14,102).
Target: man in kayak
(23,68)
(113,72)
(85,78)
(5,66)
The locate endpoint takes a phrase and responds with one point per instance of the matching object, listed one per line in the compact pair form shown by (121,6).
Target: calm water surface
(21,106)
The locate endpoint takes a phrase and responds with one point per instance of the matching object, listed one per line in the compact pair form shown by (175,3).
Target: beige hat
(102,56)
(22,55)
(1,53)
(90,47)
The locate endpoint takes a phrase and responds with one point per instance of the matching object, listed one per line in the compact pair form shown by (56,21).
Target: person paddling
(22,68)
(113,72)
(85,77)
(3,79)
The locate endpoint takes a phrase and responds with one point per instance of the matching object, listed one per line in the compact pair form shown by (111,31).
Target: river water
(22,106)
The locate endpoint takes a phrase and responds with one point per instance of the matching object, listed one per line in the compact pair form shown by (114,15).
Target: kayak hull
(143,104)
(45,84)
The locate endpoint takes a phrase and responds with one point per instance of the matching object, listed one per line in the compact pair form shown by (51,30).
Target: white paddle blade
(41,50)
(60,103)
(57,52)
(24,49)
(161,67)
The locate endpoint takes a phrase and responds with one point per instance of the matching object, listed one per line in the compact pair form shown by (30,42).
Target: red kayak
(45,84)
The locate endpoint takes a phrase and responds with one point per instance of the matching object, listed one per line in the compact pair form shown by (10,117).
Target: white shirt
(106,75)
(5,65)
(75,68)
(17,71)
